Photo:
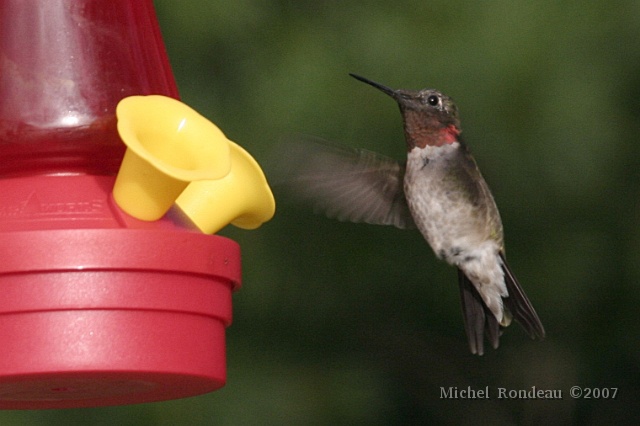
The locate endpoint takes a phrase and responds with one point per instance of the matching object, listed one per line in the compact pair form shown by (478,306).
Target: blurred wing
(345,184)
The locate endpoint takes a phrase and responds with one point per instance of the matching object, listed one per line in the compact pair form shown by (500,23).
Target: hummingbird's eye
(433,100)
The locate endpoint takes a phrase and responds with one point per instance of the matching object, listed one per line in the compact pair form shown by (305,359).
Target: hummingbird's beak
(385,89)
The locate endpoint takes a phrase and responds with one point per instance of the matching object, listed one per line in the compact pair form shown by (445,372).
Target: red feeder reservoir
(98,307)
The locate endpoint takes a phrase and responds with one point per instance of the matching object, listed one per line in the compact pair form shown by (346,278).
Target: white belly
(451,225)
(441,212)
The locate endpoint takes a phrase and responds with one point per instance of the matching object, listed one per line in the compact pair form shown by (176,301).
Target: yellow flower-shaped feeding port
(169,145)
(242,197)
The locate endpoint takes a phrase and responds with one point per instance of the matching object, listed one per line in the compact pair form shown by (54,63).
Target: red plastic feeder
(97,308)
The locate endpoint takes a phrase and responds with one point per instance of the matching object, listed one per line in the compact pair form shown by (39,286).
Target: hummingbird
(440,191)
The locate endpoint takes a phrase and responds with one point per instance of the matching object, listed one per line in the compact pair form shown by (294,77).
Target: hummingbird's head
(430,117)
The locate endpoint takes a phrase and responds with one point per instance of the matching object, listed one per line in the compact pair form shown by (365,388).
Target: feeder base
(97,317)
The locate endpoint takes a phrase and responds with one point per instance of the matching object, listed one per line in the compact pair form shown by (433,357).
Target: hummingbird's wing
(478,317)
(472,184)
(519,305)
(350,185)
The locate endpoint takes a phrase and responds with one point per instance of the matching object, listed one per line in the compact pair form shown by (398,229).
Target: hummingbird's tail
(480,321)
(478,318)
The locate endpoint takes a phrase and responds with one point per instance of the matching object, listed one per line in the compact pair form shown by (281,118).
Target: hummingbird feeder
(111,294)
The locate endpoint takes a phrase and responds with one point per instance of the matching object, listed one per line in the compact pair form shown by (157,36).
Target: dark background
(339,323)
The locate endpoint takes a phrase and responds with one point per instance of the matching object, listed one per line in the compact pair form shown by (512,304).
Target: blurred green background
(339,323)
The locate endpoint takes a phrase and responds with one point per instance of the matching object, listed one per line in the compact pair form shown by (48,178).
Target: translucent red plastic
(64,65)
(97,308)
